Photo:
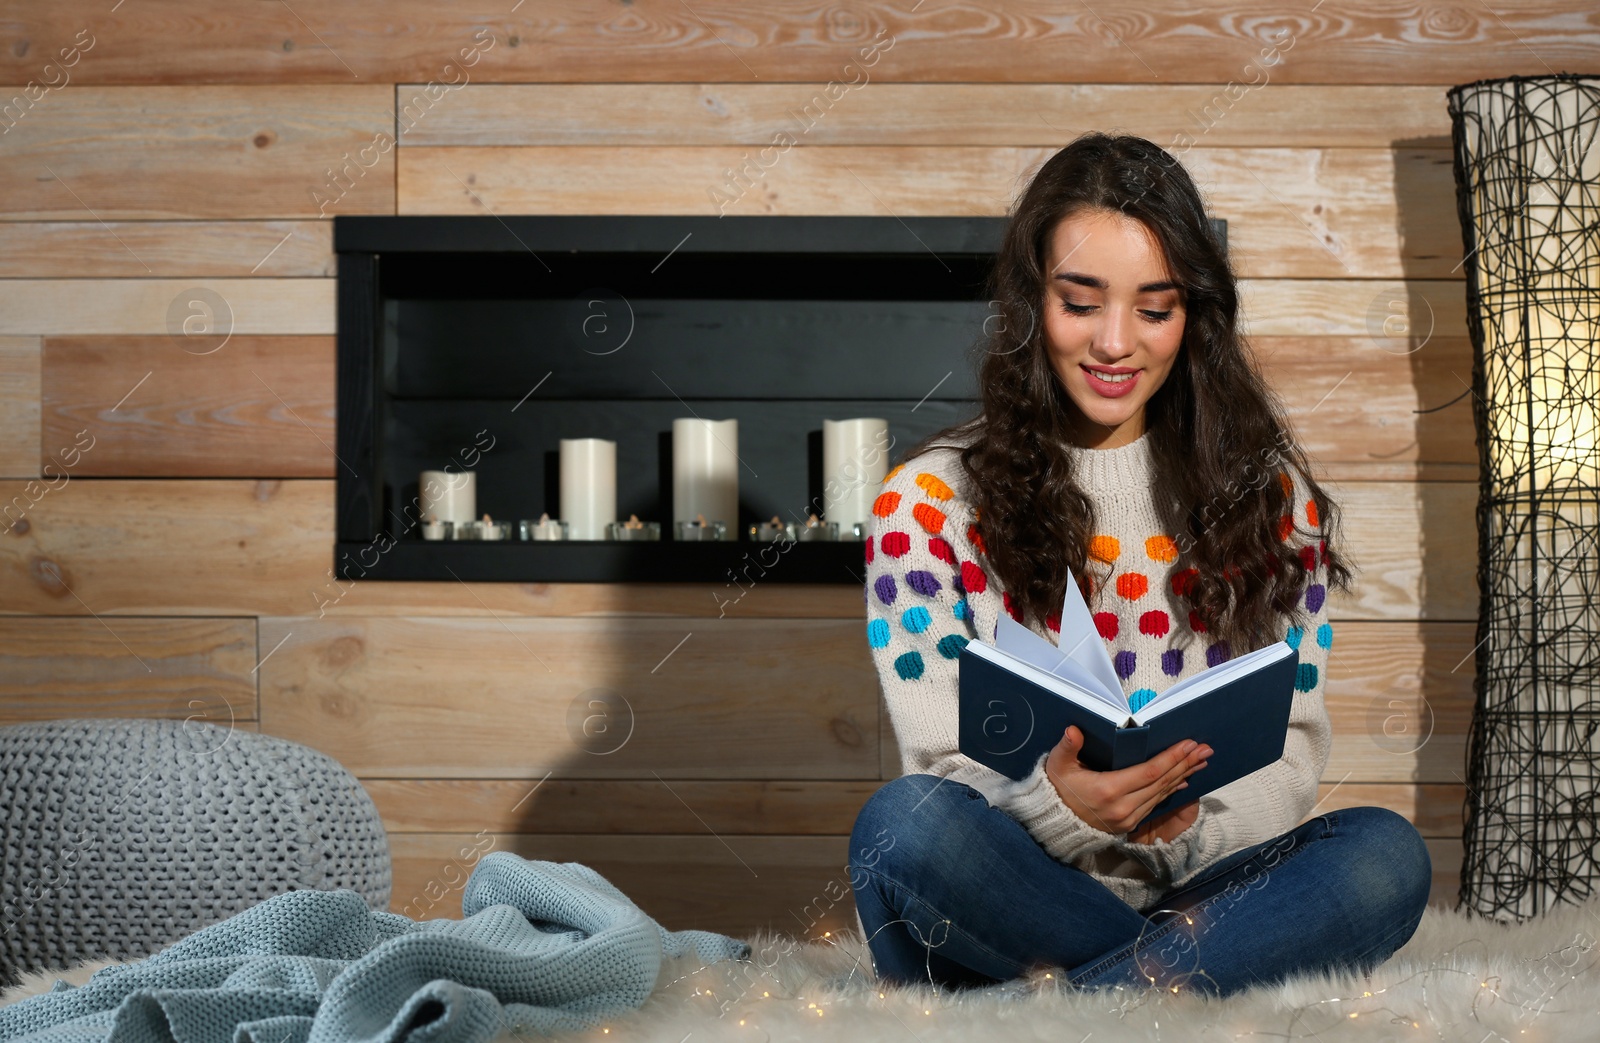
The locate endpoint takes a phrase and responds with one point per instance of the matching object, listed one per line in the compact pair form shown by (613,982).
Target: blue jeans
(955,892)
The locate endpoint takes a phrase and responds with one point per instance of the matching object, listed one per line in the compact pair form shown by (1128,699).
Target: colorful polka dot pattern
(916,620)
(1104,549)
(1155,623)
(1132,585)
(964,578)
(1125,663)
(919,511)
(934,486)
(1161,548)
(909,666)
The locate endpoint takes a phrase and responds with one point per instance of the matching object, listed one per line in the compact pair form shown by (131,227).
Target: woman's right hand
(1116,801)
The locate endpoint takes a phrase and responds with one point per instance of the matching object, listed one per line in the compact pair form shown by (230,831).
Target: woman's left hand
(1167,826)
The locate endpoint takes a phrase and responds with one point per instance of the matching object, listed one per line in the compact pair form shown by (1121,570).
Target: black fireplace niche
(477,343)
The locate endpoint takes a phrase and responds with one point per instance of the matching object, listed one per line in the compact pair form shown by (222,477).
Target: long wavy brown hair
(1219,438)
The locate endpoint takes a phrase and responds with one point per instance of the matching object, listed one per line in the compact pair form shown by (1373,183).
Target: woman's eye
(1084,309)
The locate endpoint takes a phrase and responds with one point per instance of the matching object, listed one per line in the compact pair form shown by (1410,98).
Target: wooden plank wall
(173,507)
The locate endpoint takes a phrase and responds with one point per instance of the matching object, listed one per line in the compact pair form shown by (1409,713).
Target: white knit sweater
(930,589)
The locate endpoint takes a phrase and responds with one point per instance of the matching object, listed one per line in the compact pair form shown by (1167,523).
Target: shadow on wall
(1441,371)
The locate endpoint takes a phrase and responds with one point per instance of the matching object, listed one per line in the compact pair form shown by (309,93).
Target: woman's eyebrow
(1100,284)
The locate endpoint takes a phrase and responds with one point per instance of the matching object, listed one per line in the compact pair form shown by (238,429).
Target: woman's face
(1113,322)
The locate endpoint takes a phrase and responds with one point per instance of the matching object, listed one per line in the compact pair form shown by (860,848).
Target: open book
(1018,696)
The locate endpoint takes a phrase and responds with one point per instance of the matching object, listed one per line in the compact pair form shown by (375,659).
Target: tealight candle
(776,529)
(700,529)
(546,528)
(817,529)
(634,529)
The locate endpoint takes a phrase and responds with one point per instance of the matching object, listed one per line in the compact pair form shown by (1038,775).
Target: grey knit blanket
(542,947)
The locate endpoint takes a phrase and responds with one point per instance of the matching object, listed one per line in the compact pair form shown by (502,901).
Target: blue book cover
(1018,696)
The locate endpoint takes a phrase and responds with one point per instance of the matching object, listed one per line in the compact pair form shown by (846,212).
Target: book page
(1088,698)
(1019,642)
(1080,641)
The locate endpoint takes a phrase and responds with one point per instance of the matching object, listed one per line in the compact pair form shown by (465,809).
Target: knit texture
(543,947)
(930,590)
(118,836)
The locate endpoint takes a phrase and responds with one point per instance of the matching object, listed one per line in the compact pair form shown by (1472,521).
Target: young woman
(1125,435)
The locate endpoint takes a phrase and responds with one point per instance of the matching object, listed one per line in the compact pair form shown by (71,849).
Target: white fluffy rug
(1459,978)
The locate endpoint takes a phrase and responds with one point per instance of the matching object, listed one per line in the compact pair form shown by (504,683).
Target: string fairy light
(1155,995)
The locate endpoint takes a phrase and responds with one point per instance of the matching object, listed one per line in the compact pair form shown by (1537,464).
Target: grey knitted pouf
(120,836)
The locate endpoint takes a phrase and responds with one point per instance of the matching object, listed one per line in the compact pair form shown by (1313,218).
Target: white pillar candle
(450,496)
(705,471)
(855,458)
(588,486)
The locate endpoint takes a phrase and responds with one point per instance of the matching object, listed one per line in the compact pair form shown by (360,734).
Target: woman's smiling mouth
(1111,381)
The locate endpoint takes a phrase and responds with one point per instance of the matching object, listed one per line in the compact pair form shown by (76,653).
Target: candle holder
(771,530)
(438,530)
(822,531)
(633,529)
(695,531)
(468,530)
(777,530)
(542,528)
(493,530)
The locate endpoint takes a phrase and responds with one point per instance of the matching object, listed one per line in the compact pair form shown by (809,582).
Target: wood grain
(19,407)
(749,807)
(567,805)
(735,885)
(711,699)
(1173,115)
(71,307)
(257,407)
(1296,213)
(1446,856)
(53,666)
(201,152)
(1022,41)
(144,249)
(1414,544)
(1364,408)
(232,547)
(796,886)
(1271,307)
(1399,696)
